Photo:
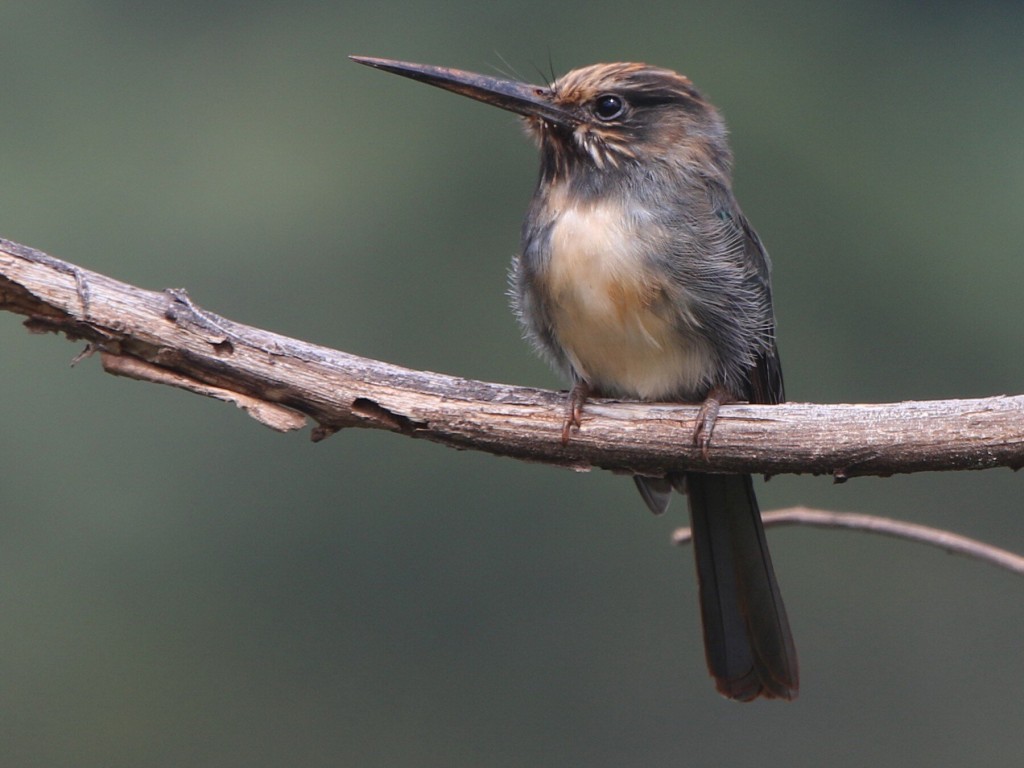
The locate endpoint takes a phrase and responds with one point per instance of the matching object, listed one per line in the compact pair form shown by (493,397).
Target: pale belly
(610,313)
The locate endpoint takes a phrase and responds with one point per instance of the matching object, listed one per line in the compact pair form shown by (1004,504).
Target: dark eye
(609,106)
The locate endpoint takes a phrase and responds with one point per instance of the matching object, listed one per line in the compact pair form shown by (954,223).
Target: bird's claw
(574,410)
(704,426)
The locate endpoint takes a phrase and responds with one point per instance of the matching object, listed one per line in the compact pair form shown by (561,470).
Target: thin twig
(923,534)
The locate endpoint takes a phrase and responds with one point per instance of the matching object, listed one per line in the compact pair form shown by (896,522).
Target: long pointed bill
(522,98)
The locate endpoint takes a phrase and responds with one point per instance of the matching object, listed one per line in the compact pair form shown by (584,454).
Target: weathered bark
(164,337)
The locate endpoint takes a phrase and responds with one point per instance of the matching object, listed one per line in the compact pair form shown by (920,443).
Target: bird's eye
(609,106)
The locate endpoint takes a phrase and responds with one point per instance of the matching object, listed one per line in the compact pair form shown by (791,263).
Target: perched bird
(640,278)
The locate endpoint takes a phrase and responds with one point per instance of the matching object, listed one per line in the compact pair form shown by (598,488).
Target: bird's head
(604,117)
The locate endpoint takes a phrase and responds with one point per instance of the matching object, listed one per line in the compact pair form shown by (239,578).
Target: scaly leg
(708,415)
(574,408)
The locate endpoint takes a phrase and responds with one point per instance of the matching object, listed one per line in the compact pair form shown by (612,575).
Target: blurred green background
(180,586)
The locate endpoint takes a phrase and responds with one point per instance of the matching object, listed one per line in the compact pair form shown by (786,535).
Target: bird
(640,278)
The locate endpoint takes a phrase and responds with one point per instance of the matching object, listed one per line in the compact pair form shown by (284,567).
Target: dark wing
(766,376)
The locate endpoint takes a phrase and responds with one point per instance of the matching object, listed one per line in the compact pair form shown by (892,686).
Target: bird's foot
(574,409)
(704,427)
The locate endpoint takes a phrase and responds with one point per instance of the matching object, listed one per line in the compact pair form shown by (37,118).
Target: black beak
(522,98)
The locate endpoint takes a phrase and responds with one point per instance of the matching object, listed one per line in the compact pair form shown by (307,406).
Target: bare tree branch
(164,337)
(936,537)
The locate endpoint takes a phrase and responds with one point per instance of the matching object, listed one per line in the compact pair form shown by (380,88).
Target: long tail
(747,641)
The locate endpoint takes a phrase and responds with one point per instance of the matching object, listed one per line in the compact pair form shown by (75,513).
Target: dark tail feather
(657,492)
(749,647)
